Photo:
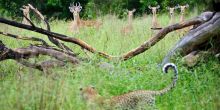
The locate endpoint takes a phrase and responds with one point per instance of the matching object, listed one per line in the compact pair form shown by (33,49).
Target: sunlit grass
(25,88)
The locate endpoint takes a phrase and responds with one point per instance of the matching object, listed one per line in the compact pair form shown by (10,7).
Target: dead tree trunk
(196,38)
(53,40)
(206,26)
(142,48)
(33,51)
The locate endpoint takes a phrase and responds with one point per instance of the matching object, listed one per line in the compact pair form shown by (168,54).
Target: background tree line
(93,8)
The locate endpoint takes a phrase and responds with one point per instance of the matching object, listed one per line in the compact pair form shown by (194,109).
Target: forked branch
(25,38)
(160,35)
(54,41)
(33,51)
(30,65)
(142,48)
(42,65)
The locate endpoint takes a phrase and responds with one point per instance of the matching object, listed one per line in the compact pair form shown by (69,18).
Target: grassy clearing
(25,88)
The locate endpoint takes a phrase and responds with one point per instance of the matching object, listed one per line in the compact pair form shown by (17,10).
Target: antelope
(129,26)
(26,11)
(171,11)
(182,12)
(155,23)
(182,17)
(77,22)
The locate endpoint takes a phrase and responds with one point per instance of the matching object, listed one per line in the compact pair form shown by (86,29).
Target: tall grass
(24,88)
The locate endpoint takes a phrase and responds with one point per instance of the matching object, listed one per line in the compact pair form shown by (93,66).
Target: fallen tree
(196,38)
(142,48)
(42,66)
(206,26)
(34,51)
(25,38)
(53,40)
(21,55)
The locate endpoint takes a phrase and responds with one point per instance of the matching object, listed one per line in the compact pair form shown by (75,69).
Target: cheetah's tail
(166,67)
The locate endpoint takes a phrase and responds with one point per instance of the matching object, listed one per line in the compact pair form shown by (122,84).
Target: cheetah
(130,100)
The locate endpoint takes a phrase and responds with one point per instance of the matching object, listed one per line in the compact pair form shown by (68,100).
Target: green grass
(24,88)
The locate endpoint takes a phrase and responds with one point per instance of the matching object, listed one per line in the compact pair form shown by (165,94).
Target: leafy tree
(91,8)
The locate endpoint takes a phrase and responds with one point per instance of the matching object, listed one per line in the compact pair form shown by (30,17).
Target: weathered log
(142,48)
(25,38)
(6,53)
(30,65)
(51,64)
(29,20)
(42,66)
(53,40)
(196,37)
(33,51)
(195,57)
(36,39)
(56,35)
(191,59)
(204,17)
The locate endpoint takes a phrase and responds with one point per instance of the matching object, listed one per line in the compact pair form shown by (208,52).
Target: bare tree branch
(142,48)
(196,38)
(42,65)
(30,65)
(55,35)
(33,51)
(160,35)
(54,41)
(52,63)
(32,24)
(25,38)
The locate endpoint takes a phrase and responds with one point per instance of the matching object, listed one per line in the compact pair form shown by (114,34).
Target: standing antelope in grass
(77,22)
(127,29)
(182,12)
(155,23)
(26,12)
(182,17)
(171,11)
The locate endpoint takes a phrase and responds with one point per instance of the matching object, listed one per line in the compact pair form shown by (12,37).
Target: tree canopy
(92,8)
